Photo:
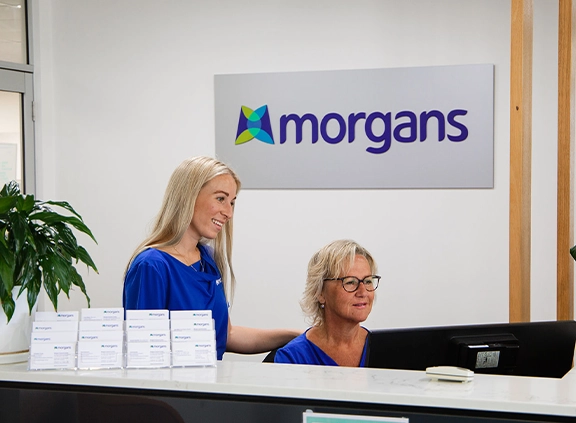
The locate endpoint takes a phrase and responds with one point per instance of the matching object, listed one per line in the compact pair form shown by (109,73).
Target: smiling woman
(338,297)
(186,263)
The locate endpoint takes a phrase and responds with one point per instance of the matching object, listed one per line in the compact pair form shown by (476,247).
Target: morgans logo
(254,124)
(379,128)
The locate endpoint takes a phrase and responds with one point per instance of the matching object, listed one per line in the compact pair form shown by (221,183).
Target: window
(13,45)
(16,97)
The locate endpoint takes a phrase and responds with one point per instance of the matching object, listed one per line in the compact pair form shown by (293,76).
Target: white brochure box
(65,326)
(147,354)
(46,355)
(102,335)
(147,314)
(107,314)
(148,336)
(190,314)
(53,337)
(56,316)
(148,325)
(200,353)
(193,336)
(100,354)
(98,325)
(192,324)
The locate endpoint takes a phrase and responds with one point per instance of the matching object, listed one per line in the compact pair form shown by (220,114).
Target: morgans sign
(429,127)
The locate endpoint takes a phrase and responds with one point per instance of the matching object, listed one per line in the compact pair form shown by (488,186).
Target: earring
(321,305)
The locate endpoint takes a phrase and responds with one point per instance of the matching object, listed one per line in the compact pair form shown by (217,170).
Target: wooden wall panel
(565,240)
(520,158)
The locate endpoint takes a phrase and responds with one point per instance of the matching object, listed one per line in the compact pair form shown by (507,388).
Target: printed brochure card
(96,355)
(192,324)
(108,314)
(148,325)
(45,356)
(101,335)
(64,326)
(190,314)
(97,325)
(201,353)
(193,336)
(147,314)
(54,316)
(53,337)
(147,336)
(147,354)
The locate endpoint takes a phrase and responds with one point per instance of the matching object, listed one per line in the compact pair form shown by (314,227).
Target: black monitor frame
(538,349)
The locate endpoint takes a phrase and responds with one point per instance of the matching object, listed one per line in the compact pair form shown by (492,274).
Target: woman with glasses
(185,263)
(338,297)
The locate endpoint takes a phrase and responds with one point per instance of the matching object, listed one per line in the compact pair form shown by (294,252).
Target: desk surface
(514,394)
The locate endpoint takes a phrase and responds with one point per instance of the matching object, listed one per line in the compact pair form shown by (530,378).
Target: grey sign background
(427,164)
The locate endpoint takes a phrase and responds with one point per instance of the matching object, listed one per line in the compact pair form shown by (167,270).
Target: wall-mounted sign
(425,127)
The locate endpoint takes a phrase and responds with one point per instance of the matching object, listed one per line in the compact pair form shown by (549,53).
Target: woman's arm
(245,340)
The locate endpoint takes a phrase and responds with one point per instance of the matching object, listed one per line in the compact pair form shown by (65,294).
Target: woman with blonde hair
(338,297)
(185,263)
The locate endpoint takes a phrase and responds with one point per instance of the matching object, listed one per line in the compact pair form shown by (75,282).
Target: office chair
(270,356)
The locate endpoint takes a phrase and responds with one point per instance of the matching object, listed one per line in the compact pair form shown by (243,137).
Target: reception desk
(241,391)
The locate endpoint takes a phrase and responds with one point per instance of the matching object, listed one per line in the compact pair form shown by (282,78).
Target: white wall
(125,93)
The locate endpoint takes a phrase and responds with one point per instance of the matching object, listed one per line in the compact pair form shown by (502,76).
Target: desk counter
(366,391)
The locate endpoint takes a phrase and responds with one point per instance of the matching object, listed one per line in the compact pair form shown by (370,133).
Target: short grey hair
(331,261)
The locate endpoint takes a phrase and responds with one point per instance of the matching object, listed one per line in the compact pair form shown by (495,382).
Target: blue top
(158,281)
(301,351)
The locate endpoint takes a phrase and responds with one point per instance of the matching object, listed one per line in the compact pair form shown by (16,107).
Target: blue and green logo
(380,128)
(254,124)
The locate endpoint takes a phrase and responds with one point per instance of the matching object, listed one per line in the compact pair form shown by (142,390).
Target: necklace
(201,265)
(185,260)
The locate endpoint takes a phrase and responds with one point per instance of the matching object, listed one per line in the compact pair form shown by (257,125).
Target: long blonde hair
(331,261)
(178,209)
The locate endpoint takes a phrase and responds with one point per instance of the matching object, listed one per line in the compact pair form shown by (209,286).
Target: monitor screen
(540,349)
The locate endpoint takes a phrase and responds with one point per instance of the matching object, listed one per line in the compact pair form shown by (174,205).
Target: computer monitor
(540,349)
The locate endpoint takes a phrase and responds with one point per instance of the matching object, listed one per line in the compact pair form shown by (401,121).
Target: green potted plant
(38,249)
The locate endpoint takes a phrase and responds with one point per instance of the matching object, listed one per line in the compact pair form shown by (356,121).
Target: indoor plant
(38,249)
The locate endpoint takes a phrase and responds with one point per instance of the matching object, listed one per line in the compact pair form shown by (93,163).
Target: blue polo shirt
(301,351)
(156,280)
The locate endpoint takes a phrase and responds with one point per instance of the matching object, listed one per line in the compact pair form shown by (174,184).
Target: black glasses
(351,283)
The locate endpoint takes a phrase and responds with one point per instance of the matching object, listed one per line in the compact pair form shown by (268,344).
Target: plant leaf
(7,302)
(27,204)
(64,205)
(6,203)
(77,280)
(51,217)
(61,268)
(50,284)
(8,305)
(33,287)
(83,256)
(11,188)
(20,231)
(66,238)
(7,265)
